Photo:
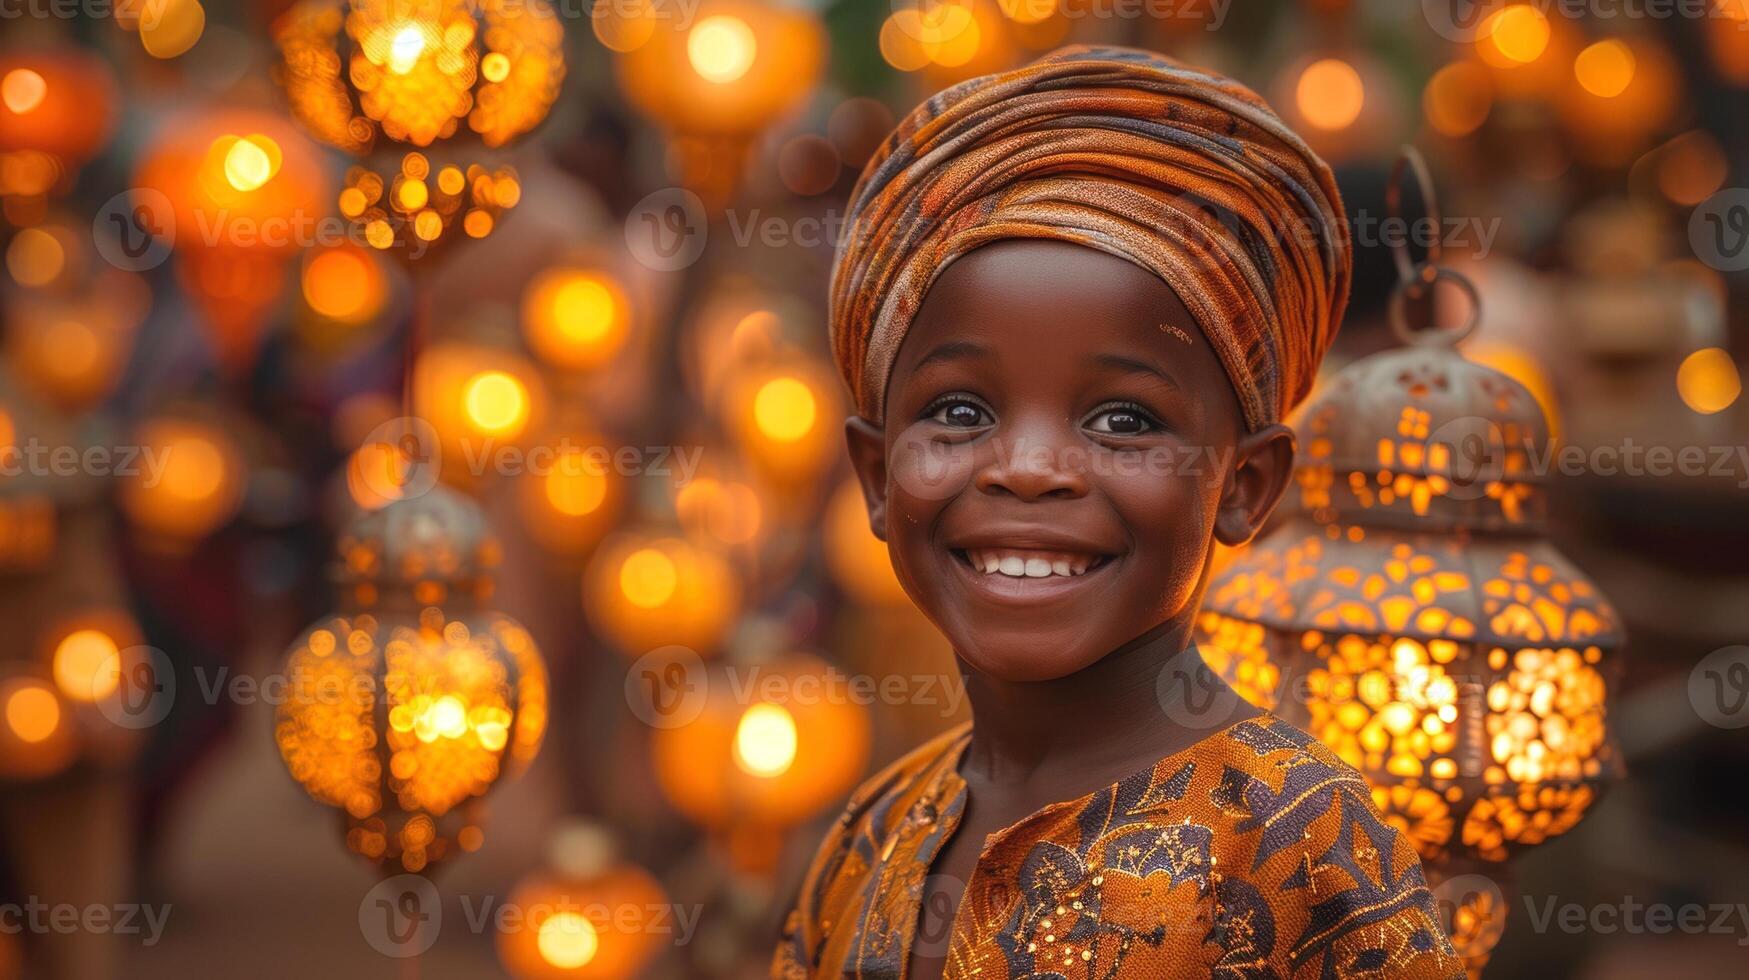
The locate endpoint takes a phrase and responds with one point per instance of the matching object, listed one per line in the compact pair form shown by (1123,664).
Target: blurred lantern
(1458,99)
(858,559)
(411,703)
(719,509)
(37,739)
(70,329)
(1620,91)
(785,413)
(57,108)
(345,286)
(411,73)
(720,77)
(1444,647)
(588,916)
(480,400)
(775,742)
(238,192)
(189,480)
(575,318)
(571,491)
(643,592)
(1344,102)
(1529,53)
(167,28)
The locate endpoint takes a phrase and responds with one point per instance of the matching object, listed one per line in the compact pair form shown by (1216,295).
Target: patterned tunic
(1255,853)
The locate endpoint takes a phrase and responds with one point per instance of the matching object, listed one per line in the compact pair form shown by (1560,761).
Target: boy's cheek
(925,469)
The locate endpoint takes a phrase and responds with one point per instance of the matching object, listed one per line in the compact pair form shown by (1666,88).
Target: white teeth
(1028,564)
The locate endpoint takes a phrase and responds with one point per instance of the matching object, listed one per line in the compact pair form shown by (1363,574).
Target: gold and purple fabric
(1186,173)
(1255,853)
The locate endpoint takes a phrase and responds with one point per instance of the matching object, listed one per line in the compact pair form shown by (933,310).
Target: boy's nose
(1032,468)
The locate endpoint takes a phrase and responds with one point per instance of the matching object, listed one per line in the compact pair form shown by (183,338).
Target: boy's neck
(1066,737)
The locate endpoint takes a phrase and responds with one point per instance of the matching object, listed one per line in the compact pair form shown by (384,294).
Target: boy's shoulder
(907,770)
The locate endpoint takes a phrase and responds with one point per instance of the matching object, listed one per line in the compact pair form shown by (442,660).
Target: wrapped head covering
(1183,172)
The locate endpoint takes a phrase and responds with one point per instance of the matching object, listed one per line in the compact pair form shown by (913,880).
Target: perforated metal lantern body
(1409,612)
(406,707)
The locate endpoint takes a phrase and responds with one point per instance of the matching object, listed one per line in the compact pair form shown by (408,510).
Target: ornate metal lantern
(1409,612)
(407,706)
(411,72)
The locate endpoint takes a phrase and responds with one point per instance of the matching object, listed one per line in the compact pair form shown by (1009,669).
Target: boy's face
(1061,449)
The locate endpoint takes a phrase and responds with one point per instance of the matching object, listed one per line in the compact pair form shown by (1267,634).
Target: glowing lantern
(240,190)
(190,481)
(575,319)
(411,703)
(720,78)
(574,495)
(643,593)
(37,737)
(479,399)
(775,761)
(785,414)
(1619,92)
(588,917)
(1443,646)
(57,108)
(410,74)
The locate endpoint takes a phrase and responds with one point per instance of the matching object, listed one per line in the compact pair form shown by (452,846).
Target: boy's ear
(1262,466)
(868,456)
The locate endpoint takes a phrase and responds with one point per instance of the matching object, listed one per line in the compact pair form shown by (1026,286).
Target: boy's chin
(1028,658)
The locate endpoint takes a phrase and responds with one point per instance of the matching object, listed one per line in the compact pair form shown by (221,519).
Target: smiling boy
(1060,284)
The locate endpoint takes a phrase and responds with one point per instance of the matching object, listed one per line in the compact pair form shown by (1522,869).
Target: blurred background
(424,459)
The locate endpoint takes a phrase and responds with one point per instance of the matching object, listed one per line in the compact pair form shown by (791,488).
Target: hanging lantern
(1434,638)
(719,78)
(784,413)
(240,190)
(644,592)
(411,703)
(774,743)
(402,78)
(572,496)
(589,917)
(189,483)
(57,108)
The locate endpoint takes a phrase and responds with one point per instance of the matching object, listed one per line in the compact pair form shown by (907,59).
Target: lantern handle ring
(1426,276)
(1415,279)
(1409,158)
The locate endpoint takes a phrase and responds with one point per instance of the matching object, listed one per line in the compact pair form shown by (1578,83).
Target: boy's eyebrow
(1136,366)
(953,350)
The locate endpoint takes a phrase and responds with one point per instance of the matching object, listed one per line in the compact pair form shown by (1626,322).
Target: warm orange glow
(567,940)
(1605,69)
(496,403)
(87,665)
(406,44)
(197,485)
(577,484)
(721,48)
(33,713)
(765,741)
(343,284)
(250,162)
(623,25)
(1330,94)
(35,257)
(648,578)
(1458,98)
(1028,11)
(195,470)
(784,409)
(22,90)
(1708,381)
(1518,34)
(575,318)
(172,27)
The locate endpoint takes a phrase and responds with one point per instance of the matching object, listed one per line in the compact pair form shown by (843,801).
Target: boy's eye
(961,414)
(1121,421)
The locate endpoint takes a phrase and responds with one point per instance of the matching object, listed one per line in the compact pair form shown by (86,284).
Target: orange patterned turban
(1183,172)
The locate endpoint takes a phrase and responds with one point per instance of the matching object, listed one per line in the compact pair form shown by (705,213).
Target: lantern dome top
(1420,437)
(434,546)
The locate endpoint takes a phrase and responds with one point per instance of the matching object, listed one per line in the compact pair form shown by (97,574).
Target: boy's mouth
(1029,562)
